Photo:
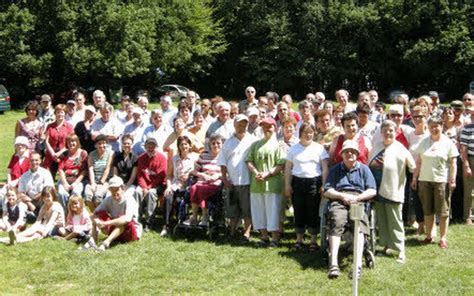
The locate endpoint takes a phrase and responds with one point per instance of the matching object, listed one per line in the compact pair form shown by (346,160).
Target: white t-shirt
(233,155)
(434,158)
(307,160)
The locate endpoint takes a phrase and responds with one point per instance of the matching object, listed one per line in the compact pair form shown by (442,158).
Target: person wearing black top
(83,130)
(124,164)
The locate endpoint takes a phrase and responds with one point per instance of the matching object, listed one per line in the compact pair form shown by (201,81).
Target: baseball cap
(115,182)
(268,120)
(350,144)
(151,140)
(21,140)
(45,98)
(396,109)
(240,117)
(252,111)
(90,108)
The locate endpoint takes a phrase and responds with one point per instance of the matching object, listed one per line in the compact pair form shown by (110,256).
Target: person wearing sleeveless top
(350,125)
(99,163)
(30,127)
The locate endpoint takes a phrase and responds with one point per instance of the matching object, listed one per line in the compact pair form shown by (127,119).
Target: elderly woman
(306,170)
(436,176)
(56,134)
(208,173)
(288,138)
(72,168)
(99,162)
(388,162)
(30,127)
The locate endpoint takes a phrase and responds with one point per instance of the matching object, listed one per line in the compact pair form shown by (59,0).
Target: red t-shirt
(73,166)
(17,169)
(57,138)
(151,170)
(363,151)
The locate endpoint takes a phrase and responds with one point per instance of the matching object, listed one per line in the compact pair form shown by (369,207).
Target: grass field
(157,265)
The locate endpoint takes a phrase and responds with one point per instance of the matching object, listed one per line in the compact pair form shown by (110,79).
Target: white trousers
(265,210)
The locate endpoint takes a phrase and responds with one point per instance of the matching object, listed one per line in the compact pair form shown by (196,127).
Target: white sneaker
(164,232)
(204,222)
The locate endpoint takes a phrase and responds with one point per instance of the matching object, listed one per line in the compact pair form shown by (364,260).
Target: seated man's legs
(151,200)
(338,218)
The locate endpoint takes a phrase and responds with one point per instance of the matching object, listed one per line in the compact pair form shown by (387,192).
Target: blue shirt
(358,179)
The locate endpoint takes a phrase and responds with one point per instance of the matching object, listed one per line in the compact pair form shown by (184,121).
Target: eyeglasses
(396,115)
(418,117)
(467,100)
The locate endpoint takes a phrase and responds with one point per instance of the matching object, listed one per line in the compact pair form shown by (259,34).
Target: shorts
(238,202)
(129,234)
(338,217)
(435,198)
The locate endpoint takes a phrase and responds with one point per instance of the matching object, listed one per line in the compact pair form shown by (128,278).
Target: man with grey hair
(191,99)
(107,125)
(250,100)
(223,125)
(169,112)
(273,98)
(342,97)
(99,98)
(142,102)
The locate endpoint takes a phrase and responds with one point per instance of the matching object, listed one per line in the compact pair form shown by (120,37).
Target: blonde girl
(78,221)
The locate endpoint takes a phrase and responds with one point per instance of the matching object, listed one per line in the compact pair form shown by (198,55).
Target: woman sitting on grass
(50,219)
(14,213)
(78,221)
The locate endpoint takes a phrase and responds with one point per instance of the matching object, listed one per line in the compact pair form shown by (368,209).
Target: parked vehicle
(4,99)
(175,91)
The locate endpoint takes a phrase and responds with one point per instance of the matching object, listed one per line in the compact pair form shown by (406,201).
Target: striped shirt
(467,138)
(207,164)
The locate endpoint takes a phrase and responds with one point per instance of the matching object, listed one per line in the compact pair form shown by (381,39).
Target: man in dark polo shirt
(348,182)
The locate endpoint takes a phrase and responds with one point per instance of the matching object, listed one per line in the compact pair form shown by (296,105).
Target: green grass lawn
(157,265)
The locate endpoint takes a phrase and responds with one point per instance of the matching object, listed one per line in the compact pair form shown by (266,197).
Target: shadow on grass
(306,259)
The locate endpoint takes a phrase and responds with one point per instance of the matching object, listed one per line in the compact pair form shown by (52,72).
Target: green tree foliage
(301,45)
(105,42)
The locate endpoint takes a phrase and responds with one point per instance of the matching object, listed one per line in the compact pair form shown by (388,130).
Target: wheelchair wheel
(324,240)
(369,259)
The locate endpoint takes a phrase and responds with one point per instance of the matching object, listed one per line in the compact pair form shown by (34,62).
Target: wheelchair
(347,237)
(217,217)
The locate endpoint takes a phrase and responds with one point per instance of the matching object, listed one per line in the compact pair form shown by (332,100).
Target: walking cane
(356,214)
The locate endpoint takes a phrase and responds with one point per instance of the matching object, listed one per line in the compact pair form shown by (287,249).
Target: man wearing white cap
(348,182)
(235,175)
(254,128)
(116,217)
(71,115)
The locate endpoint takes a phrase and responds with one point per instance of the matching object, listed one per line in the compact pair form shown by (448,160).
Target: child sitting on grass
(14,213)
(78,221)
(50,219)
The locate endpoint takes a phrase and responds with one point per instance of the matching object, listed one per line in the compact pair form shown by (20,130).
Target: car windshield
(181,88)
(3,90)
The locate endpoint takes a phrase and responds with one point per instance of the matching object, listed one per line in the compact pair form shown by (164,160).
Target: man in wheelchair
(348,182)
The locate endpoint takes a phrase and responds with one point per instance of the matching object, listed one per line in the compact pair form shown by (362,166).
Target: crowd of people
(82,169)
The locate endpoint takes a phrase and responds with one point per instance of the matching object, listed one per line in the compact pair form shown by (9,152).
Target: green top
(265,155)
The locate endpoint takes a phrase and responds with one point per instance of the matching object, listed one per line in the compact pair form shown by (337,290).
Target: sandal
(334,272)
(313,247)
(359,273)
(298,246)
